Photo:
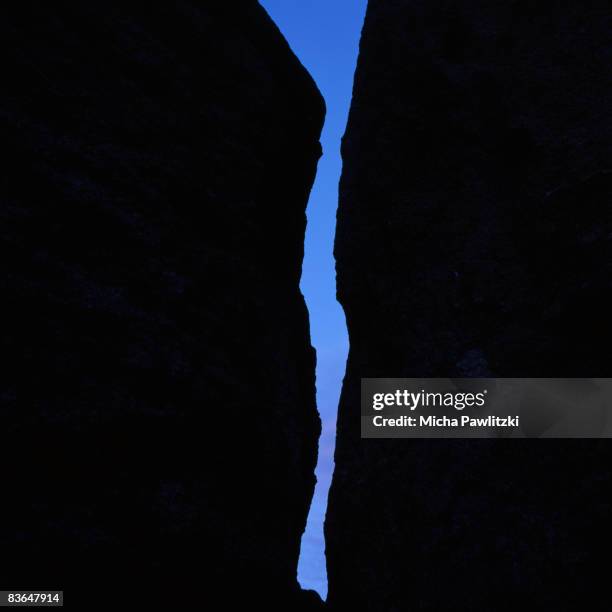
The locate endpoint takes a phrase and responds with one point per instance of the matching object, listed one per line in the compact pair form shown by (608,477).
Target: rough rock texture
(158,409)
(474,238)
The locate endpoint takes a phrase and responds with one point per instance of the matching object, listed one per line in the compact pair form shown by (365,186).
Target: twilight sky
(324,34)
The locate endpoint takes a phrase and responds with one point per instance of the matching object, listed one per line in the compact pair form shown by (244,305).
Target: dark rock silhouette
(474,240)
(158,420)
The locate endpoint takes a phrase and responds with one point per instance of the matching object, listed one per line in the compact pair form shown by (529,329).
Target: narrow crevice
(328,49)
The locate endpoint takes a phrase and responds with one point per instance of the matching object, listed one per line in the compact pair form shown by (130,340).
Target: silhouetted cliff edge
(158,421)
(474,240)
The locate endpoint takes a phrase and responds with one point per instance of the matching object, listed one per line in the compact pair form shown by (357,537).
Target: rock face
(158,415)
(474,240)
